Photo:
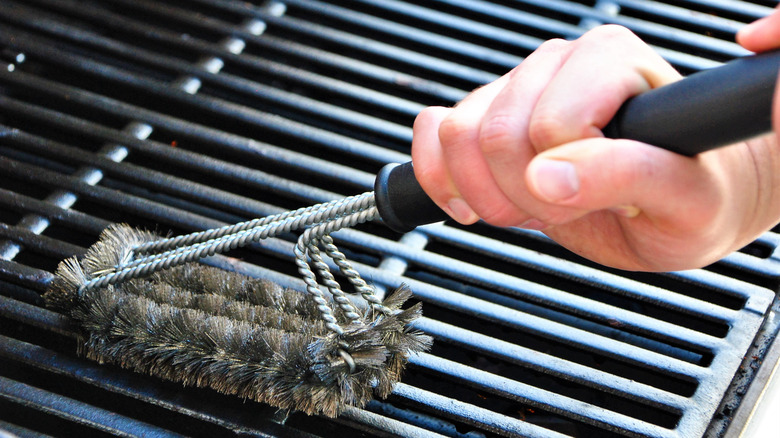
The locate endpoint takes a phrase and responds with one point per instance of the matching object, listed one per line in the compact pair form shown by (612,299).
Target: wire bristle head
(208,327)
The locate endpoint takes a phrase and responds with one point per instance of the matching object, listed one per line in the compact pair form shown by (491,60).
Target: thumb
(625,176)
(762,34)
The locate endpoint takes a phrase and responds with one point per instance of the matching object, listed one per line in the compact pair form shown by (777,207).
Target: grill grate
(185,117)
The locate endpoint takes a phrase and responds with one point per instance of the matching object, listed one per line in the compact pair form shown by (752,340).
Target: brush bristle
(207,327)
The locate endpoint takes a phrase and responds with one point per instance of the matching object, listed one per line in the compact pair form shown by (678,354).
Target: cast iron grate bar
(215,108)
(116,152)
(274,96)
(180,128)
(259,61)
(69,409)
(669,39)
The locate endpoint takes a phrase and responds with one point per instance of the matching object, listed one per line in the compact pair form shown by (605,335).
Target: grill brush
(144,303)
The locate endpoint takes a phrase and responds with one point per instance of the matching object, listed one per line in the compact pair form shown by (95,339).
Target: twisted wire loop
(161,245)
(364,289)
(307,248)
(322,220)
(339,297)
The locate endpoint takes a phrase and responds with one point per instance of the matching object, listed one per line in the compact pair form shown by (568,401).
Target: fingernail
(461,212)
(628,211)
(554,180)
(533,224)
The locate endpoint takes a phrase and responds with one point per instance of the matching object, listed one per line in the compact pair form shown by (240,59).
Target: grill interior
(181,116)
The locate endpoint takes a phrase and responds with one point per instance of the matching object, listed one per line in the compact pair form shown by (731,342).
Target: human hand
(527,150)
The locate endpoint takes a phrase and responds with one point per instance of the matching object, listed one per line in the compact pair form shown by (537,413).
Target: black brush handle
(704,111)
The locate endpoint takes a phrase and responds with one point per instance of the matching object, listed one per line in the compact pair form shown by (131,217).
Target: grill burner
(186,118)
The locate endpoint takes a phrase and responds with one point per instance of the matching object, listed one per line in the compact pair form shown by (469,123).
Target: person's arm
(527,150)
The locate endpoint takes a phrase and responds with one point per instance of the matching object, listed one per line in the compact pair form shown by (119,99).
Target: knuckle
(609,32)
(552,46)
(426,117)
(497,135)
(455,129)
(544,129)
(555,47)
(502,214)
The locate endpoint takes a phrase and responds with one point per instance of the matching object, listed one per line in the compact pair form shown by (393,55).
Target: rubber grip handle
(704,111)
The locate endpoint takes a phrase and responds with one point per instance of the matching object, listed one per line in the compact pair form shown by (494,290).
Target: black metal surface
(185,116)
